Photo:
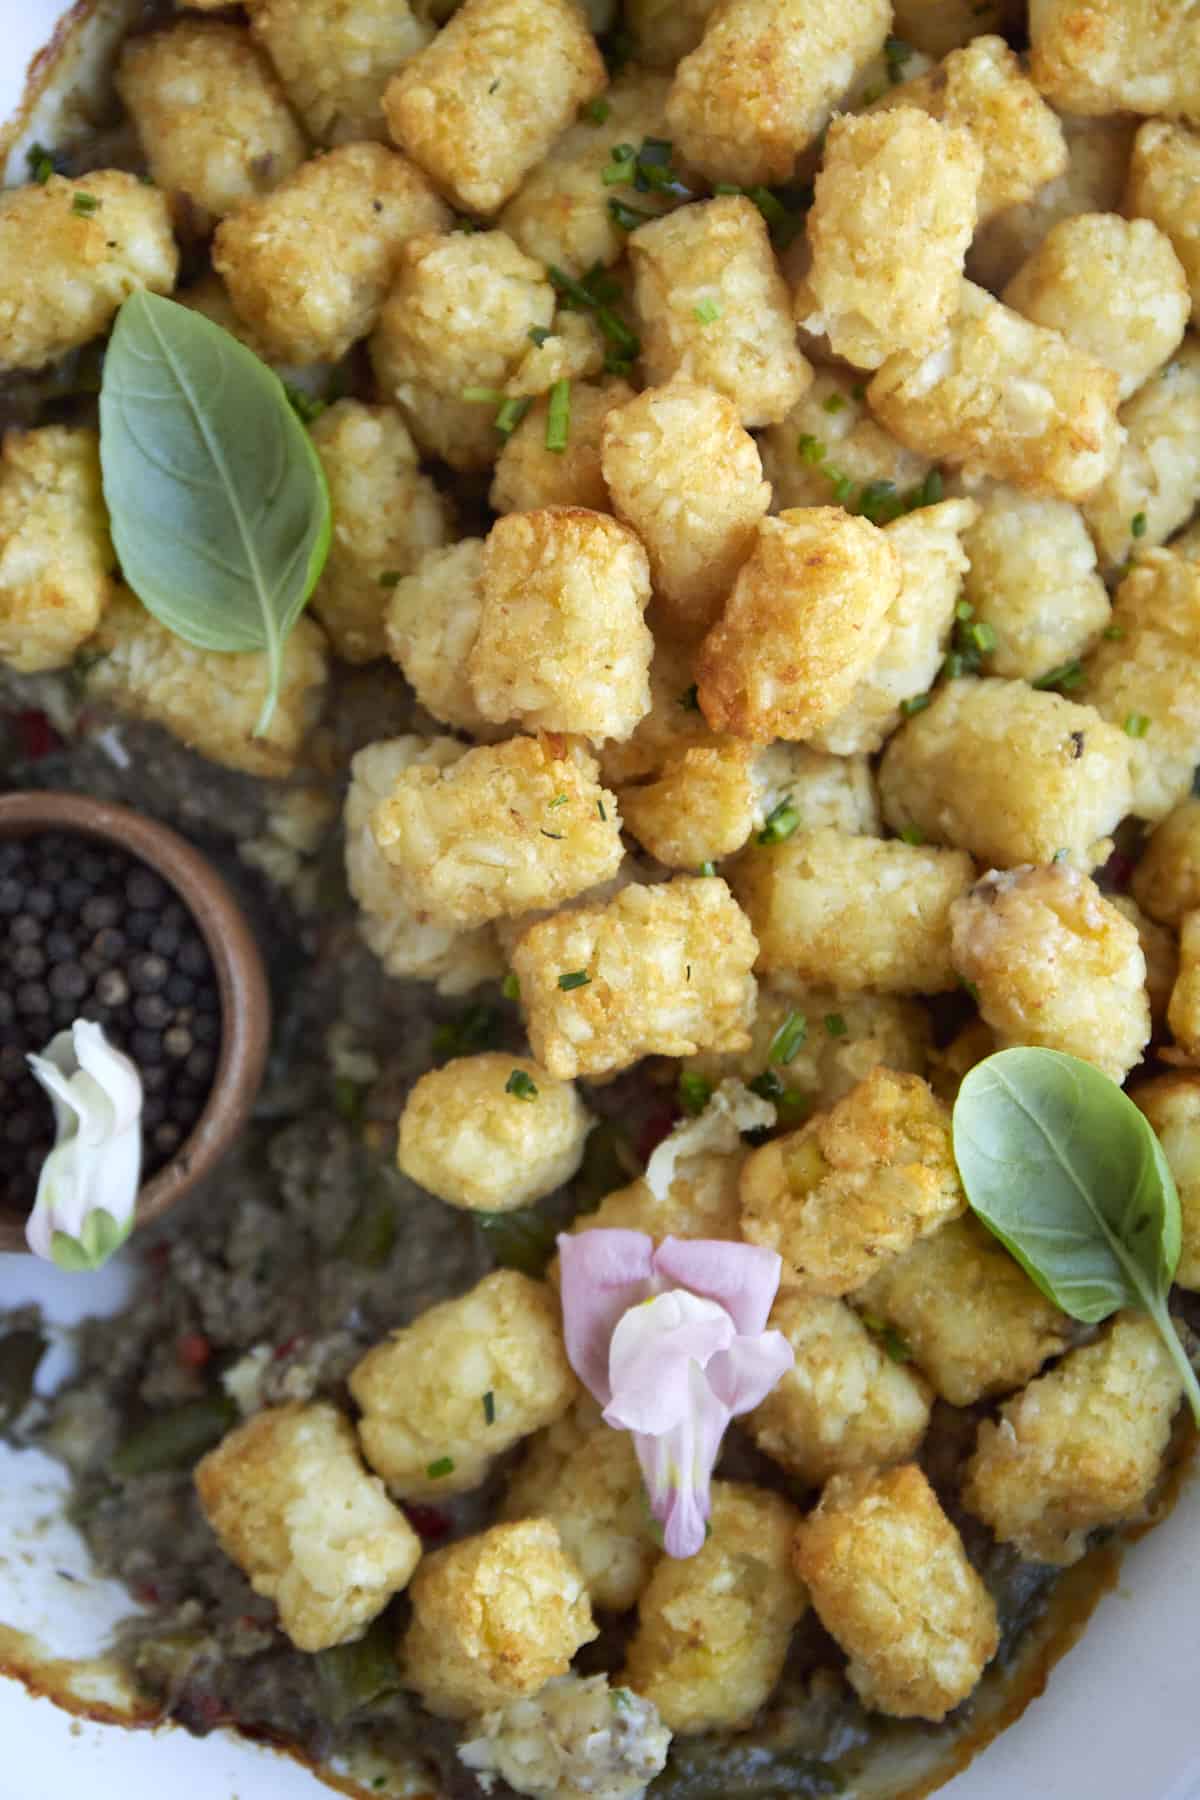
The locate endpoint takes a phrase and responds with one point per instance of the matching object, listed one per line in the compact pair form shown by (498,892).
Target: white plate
(1120,1720)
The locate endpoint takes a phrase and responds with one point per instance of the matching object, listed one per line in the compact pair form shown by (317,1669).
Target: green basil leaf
(1063,1168)
(220,510)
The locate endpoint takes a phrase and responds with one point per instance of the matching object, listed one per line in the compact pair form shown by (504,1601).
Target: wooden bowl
(241,980)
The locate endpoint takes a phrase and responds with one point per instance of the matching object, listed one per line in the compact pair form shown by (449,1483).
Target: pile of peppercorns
(89,932)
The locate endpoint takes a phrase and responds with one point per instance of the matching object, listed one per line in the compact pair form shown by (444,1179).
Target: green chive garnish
(558,418)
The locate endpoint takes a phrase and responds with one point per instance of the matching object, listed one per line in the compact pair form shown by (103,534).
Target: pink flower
(673,1344)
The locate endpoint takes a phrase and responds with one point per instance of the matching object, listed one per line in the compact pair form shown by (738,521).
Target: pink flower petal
(744,1375)
(743,1278)
(604,1273)
(678,1470)
(655,1348)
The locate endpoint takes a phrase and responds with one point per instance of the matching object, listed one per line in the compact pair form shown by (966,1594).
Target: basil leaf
(1062,1167)
(220,511)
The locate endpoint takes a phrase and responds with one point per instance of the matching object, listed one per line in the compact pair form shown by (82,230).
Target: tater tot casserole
(748,687)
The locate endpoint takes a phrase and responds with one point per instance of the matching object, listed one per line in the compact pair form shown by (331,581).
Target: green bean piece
(352,1676)
(522,1240)
(175,1439)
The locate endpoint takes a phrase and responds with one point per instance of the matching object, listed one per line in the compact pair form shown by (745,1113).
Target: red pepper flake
(145,1593)
(427,1522)
(286,1348)
(193,1350)
(660,1124)
(35,734)
(158,1257)
(207,1710)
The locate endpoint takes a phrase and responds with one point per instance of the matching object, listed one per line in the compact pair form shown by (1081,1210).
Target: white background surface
(1121,1721)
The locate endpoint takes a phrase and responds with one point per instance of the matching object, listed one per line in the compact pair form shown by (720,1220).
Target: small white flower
(88,1186)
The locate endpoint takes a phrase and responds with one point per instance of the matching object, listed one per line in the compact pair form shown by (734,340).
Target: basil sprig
(219,507)
(1062,1167)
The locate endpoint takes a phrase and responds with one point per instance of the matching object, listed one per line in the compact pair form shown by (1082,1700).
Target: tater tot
(1093,181)
(56,557)
(983,88)
(889,228)
(584,1477)
(1102,56)
(846,1402)
(837,792)
(431,624)
(1147,681)
(842,1037)
(406,944)
(932,563)
(1172,1105)
(686,476)
(457,320)
(1032,579)
(1080,1448)
(1156,477)
(1166,881)
(661,970)
(1164,185)
(491,1132)
(1131,263)
(714,307)
(674,722)
(1066,785)
(1161,951)
(210,114)
(210,700)
(504,829)
(561,213)
(803,624)
(699,809)
(890,1581)
(1055,963)
(64,270)
(293,1507)
(966,1313)
(425,1426)
(856,1185)
(563,643)
(494,1617)
(385,515)
(1004,397)
(335,60)
(713,1629)
(529,477)
(483,104)
(309,265)
(762,82)
(1183,1008)
(853,913)
(829,438)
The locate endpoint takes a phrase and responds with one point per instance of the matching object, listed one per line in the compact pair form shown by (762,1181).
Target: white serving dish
(1119,1720)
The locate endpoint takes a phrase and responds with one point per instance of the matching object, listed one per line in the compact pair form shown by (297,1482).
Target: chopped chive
(623,153)
(558,800)
(790,1103)
(1136,725)
(912,834)
(40,163)
(694,1092)
(555,836)
(558,418)
(707,868)
(769,205)
(896,53)
(982,636)
(617,174)
(85,205)
(1137,525)
(489,1408)
(305,406)
(574,978)
(1114,633)
(953,666)
(835,1025)
(483,396)
(443,1466)
(916,704)
(930,491)
(843,487)
(597,111)
(628,218)
(510,987)
(600,809)
(833,403)
(511,413)
(521,1085)
(708,312)
(1060,856)
(690,699)
(811,449)
(390,578)
(538,334)
(788,1038)
(1067,675)
(780,822)
(964,610)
